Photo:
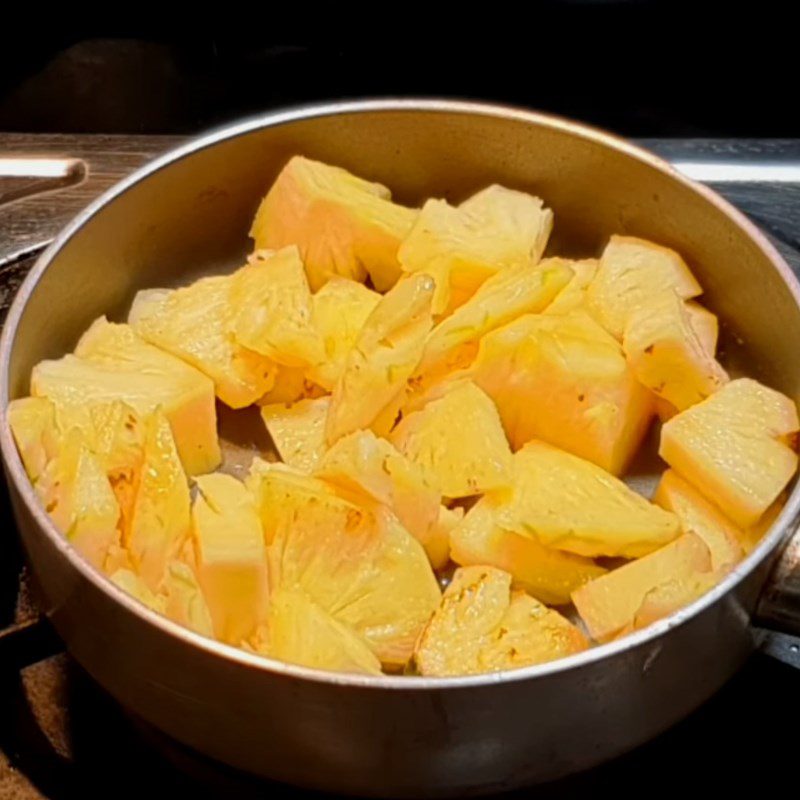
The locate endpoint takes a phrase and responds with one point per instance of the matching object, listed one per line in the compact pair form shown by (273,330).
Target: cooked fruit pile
(449,409)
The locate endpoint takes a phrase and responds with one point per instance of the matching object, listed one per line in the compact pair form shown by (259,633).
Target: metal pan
(187,213)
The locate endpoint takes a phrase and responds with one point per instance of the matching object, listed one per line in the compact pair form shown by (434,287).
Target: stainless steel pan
(188,213)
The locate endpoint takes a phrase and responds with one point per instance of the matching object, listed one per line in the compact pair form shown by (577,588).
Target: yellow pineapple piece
(342,224)
(360,565)
(705,325)
(573,295)
(112,363)
(75,492)
(370,468)
(300,631)
(549,575)
(631,272)
(666,354)
(298,431)
(341,307)
(669,597)
(130,582)
(752,536)
(291,385)
(563,379)
(574,505)
(33,424)
(184,602)
(733,448)
(387,351)
(505,296)
(482,626)
(610,603)
(697,515)
(195,324)
(159,518)
(457,441)
(230,554)
(272,304)
(436,540)
(463,247)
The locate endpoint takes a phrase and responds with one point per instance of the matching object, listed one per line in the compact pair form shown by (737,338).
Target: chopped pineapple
(463,247)
(482,626)
(631,272)
(669,597)
(436,540)
(132,584)
(697,515)
(610,603)
(75,492)
(505,296)
(342,224)
(33,423)
(549,575)
(341,307)
(458,443)
(291,386)
(563,379)
(195,324)
(359,565)
(298,431)
(705,325)
(272,306)
(666,354)
(300,631)
(184,602)
(159,519)
(574,505)
(573,295)
(732,447)
(230,554)
(387,351)
(112,363)
(371,469)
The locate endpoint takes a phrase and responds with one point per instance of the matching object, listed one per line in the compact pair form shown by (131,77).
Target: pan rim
(21,485)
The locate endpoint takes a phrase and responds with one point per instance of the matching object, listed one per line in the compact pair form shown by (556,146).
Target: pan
(186,214)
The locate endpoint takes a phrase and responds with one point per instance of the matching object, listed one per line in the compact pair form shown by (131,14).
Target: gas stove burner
(61,736)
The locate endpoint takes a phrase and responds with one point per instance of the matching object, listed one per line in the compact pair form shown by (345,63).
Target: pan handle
(777,616)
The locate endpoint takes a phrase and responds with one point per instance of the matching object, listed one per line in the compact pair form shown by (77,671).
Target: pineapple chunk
(609,604)
(549,575)
(457,442)
(387,351)
(184,602)
(195,324)
(482,626)
(342,224)
(574,505)
(732,447)
(505,296)
(75,492)
(130,582)
(752,536)
(370,468)
(669,597)
(666,354)
(298,431)
(159,518)
(272,303)
(112,363)
(340,307)
(300,631)
(359,565)
(463,247)
(33,424)
(631,272)
(291,385)
(231,558)
(573,295)
(563,379)
(697,515)
(436,540)
(705,325)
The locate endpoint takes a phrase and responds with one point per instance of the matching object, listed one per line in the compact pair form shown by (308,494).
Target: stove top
(61,736)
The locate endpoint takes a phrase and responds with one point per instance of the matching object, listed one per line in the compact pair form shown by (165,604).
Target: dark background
(640,67)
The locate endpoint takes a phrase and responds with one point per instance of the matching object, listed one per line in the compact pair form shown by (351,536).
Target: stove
(61,736)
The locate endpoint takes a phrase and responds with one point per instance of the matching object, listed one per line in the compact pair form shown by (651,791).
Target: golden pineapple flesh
(458,443)
(343,225)
(573,296)
(549,575)
(563,379)
(33,424)
(571,504)
(733,448)
(298,431)
(482,626)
